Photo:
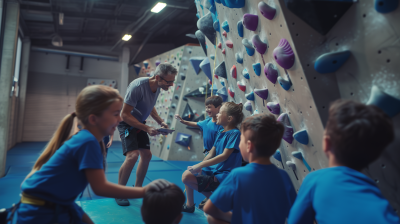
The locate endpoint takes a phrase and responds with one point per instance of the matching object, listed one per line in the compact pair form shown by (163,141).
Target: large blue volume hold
(387,103)
(240,28)
(301,136)
(331,62)
(386,6)
(216,25)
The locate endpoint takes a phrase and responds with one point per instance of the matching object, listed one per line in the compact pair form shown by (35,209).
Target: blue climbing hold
(198,16)
(246,73)
(183,139)
(277,155)
(301,136)
(223,93)
(285,83)
(223,83)
(212,9)
(167,146)
(331,62)
(233,3)
(386,6)
(299,155)
(225,26)
(257,68)
(250,96)
(195,62)
(137,69)
(146,64)
(387,103)
(206,68)
(239,58)
(240,28)
(212,57)
(249,47)
(216,25)
(218,1)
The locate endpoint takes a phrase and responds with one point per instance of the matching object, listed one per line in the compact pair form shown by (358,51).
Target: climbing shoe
(187,209)
(122,202)
(202,203)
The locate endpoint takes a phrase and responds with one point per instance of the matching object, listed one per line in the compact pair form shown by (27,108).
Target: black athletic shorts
(206,183)
(137,139)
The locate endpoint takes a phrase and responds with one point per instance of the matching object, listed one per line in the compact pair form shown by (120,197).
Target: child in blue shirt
(355,135)
(258,193)
(68,164)
(222,159)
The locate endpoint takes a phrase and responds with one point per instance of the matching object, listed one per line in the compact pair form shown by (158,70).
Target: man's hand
(109,144)
(152,131)
(164,125)
(179,118)
(194,169)
(157,185)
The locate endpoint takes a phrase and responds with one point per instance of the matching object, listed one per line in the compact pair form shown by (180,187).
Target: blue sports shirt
(210,130)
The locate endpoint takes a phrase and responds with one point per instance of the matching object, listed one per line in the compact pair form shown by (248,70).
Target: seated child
(223,157)
(258,192)
(166,202)
(355,136)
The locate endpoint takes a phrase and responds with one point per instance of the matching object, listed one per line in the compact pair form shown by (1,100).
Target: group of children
(258,192)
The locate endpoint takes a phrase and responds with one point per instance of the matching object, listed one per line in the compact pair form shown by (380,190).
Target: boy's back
(256,194)
(340,195)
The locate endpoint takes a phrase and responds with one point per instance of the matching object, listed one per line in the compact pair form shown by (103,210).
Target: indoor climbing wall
(293,58)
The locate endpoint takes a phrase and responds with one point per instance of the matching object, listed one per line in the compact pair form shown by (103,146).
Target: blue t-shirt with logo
(257,194)
(210,130)
(340,195)
(225,140)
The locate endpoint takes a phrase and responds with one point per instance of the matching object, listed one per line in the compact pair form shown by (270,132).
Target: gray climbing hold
(249,47)
(291,165)
(220,70)
(212,57)
(239,58)
(223,93)
(216,25)
(206,68)
(205,24)
(202,40)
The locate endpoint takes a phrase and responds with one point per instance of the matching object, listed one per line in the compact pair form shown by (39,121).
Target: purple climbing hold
(250,21)
(260,46)
(248,106)
(266,10)
(158,62)
(271,72)
(274,107)
(288,133)
(284,54)
(262,93)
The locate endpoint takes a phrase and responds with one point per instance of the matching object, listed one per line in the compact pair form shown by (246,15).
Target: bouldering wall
(281,57)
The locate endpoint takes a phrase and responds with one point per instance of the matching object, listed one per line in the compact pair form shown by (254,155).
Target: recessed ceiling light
(126,37)
(158,7)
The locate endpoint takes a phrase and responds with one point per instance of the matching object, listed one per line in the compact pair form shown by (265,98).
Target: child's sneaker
(187,209)
(202,203)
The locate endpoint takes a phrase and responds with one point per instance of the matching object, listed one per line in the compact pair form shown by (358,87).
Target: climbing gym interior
(288,58)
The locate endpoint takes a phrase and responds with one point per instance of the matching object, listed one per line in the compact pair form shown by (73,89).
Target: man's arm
(188,123)
(157,118)
(132,121)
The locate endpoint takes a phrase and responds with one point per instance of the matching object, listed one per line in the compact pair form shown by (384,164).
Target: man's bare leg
(127,167)
(145,157)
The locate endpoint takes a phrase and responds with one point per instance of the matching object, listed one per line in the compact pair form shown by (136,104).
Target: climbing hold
(137,69)
(234,72)
(246,73)
(274,108)
(222,83)
(146,64)
(207,4)
(299,155)
(225,34)
(257,68)
(184,99)
(171,114)
(266,10)
(229,44)
(158,62)
(288,133)
(285,83)
(250,96)
(271,72)
(250,21)
(385,6)
(212,57)
(176,96)
(240,28)
(215,76)
(173,106)
(205,24)
(188,114)
(220,45)
(260,46)
(206,67)
(223,51)
(241,86)
(249,47)
(233,3)
(220,70)
(387,103)
(183,139)
(301,136)
(239,58)
(231,92)
(223,93)
(248,106)
(255,112)
(291,165)
(277,155)
(202,40)
(284,54)
(198,15)
(216,25)
(183,76)
(212,9)
(262,93)
(195,62)
(167,146)
(210,82)
(225,26)
(331,62)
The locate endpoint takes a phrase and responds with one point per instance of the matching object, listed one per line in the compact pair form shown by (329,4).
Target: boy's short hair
(214,100)
(162,207)
(266,133)
(358,132)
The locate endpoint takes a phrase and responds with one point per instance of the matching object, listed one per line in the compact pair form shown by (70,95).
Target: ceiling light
(126,37)
(158,7)
(61,18)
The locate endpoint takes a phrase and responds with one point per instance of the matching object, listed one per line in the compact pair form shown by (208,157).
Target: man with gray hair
(140,98)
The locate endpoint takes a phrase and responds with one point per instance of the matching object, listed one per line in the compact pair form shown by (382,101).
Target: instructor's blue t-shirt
(226,140)
(340,195)
(257,194)
(210,130)
(62,178)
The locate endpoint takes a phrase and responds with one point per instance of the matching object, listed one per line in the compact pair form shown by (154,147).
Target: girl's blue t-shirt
(62,178)
(210,130)
(226,140)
